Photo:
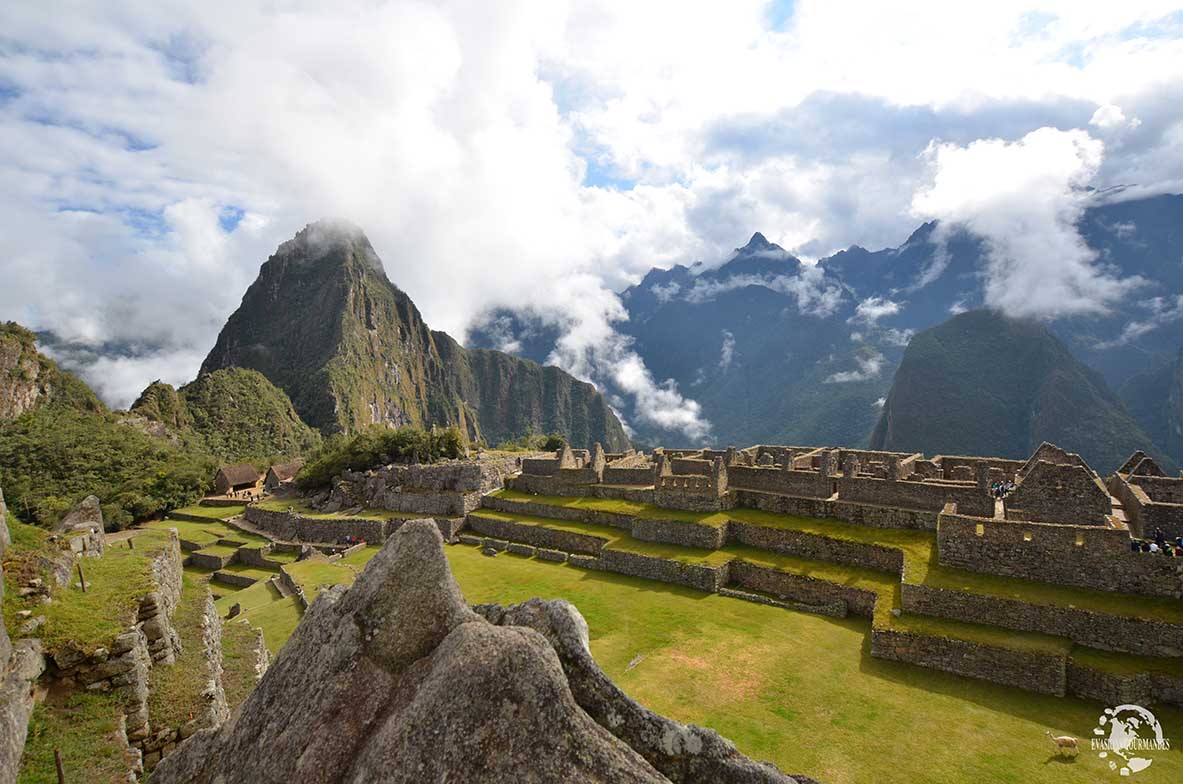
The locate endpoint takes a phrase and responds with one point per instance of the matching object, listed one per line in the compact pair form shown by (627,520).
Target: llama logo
(1126,736)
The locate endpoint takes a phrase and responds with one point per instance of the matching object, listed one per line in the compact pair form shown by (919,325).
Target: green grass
(919,548)
(361,557)
(314,574)
(238,661)
(218,549)
(258,572)
(258,595)
(300,507)
(174,694)
(212,512)
(1126,664)
(277,619)
(114,583)
(802,690)
(83,726)
(201,533)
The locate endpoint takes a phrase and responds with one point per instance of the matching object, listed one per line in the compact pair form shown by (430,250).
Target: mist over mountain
(324,324)
(776,350)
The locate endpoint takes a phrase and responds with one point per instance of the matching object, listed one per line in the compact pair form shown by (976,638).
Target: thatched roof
(241,474)
(285,472)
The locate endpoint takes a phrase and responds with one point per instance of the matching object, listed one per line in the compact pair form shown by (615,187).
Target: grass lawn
(175,691)
(114,584)
(189,530)
(258,595)
(212,512)
(314,574)
(83,725)
(247,570)
(802,690)
(300,507)
(218,549)
(238,661)
(277,619)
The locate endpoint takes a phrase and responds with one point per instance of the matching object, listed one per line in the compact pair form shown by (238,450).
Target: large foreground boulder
(397,680)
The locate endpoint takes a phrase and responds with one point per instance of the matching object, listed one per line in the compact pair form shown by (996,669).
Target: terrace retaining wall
(799,588)
(1031,670)
(1081,556)
(1141,636)
(536,535)
(817,547)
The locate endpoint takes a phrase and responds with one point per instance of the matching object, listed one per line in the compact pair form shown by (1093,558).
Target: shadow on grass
(1061,759)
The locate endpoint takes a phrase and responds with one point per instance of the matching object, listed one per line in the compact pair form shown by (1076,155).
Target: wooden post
(81,577)
(57,760)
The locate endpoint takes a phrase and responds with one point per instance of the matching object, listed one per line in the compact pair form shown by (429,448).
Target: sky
(547,154)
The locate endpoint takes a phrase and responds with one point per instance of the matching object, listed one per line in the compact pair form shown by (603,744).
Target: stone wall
(213,561)
(701,577)
(513,506)
(1161,489)
(237,580)
(1143,513)
(1031,670)
(1083,556)
(680,532)
(298,528)
(860,514)
(1110,688)
(1052,493)
(641,476)
(536,535)
(1140,636)
(799,588)
(927,495)
(157,607)
(552,486)
(810,484)
(806,545)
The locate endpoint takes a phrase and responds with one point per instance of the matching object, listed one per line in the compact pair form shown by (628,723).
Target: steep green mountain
(984,384)
(59,444)
(236,413)
(29,379)
(1155,400)
(323,323)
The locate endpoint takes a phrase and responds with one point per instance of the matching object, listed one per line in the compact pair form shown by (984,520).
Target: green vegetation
(56,455)
(212,512)
(948,398)
(174,695)
(533,442)
(314,575)
(238,661)
(277,619)
(35,369)
(377,445)
(302,508)
(233,414)
(802,690)
(84,726)
(114,584)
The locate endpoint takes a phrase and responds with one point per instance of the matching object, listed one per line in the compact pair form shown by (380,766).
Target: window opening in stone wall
(980,529)
(1026,537)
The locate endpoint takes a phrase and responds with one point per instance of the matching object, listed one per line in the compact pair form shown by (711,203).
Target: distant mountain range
(780,351)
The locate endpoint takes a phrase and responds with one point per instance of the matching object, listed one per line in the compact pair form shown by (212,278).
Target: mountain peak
(332,238)
(756,243)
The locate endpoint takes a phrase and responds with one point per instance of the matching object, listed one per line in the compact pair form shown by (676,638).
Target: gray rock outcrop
(396,679)
(20,666)
(83,527)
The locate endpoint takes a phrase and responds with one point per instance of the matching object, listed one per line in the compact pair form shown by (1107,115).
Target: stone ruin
(396,679)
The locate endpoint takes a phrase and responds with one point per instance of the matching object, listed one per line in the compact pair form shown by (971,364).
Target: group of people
(1000,489)
(1160,544)
(246,495)
(351,540)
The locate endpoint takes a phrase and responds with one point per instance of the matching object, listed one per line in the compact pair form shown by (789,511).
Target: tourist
(1159,537)
(1153,547)
(1135,546)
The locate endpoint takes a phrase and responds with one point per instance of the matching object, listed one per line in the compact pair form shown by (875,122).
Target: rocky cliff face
(324,324)
(984,384)
(396,680)
(28,379)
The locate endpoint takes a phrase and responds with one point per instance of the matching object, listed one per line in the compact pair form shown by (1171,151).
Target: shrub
(377,445)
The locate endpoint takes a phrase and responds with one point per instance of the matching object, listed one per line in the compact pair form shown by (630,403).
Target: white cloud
(897,337)
(1108,117)
(1025,198)
(1159,311)
(667,292)
(727,353)
(813,293)
(871,309)
(879,402)
(459,137)
(869,366)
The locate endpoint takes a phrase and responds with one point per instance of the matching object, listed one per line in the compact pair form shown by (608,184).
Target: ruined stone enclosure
(1049,564)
